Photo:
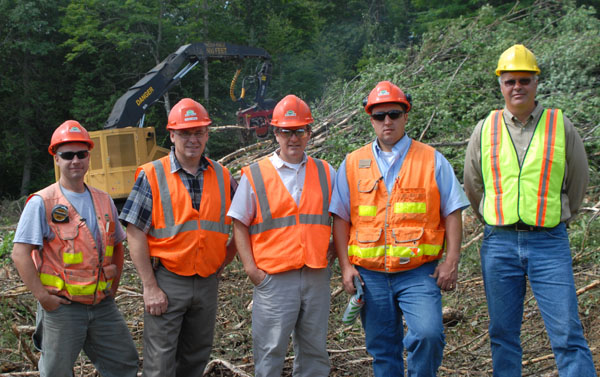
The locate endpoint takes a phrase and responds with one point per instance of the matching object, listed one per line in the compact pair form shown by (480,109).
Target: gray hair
(535,78)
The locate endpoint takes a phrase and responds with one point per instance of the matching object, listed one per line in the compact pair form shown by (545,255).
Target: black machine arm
(130,107)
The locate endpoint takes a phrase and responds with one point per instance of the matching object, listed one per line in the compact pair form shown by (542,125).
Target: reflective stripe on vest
(530,192)
(171,229)
(269,222)
(398,230)
(70,263)
(74,289)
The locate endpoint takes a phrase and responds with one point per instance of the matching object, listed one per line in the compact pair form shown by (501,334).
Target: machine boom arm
(130,108)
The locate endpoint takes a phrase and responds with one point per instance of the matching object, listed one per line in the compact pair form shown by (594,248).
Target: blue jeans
(97,329)
(508,258)
(415,295)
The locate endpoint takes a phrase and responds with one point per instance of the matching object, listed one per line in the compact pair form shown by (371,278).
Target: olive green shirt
(576,169)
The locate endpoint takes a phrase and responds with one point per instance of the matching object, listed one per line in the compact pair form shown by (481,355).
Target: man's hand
(155,300)
(51,302)
(348,275)
(446,274)
(256,276)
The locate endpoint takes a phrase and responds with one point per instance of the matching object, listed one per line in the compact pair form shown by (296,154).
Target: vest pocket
(407,235)
(368,235)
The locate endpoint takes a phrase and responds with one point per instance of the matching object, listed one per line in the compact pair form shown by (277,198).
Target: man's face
(388,130)
(71,166)
(291,143)
(518,89)
(190,142)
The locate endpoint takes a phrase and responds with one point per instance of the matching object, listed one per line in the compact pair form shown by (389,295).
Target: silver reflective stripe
(314,219)
(214,226)
(173,230)
(220,226)
(170,228)
(268,222)
(542,193)
(323,218)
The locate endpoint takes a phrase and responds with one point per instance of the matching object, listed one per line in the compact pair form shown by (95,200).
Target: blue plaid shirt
(138,207)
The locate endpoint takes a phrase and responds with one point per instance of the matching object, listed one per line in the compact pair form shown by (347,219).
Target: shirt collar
(279,163)
(176,166)
(535,114)
(399,149)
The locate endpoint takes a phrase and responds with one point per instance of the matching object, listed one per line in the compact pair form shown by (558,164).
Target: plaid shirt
(138,207)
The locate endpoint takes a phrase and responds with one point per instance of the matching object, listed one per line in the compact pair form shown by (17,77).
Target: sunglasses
(187,135)
(522,82)
(300,133)
(393,114)
(70,155)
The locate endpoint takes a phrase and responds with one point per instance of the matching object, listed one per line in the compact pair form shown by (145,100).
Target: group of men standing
(396,205)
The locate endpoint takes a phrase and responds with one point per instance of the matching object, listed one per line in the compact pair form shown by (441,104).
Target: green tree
(30,99)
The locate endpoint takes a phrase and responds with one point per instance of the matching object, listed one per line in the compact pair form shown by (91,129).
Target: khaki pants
(291,303)
(178,342)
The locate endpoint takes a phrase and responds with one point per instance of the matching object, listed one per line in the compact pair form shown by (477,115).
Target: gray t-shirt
(33,227)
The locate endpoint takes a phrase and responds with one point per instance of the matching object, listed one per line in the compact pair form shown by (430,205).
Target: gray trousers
(178,342)
(291,303)
(97,329)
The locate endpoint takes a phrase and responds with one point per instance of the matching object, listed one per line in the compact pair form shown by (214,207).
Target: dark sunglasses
(393,114)
(522,82)
(300,133)
(70,155)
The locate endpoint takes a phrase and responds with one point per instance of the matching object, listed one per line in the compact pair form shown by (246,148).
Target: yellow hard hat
(517,58)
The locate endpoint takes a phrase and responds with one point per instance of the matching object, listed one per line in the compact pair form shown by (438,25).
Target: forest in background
(72,59)
(443,54)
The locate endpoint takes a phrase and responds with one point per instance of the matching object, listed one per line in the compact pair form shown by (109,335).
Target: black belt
(522,227)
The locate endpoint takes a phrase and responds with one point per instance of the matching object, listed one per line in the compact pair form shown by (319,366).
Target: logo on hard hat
(290,113)
(190,115)
(384,92)
(74,129)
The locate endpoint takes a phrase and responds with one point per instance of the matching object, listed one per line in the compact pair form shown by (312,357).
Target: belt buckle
(521,227)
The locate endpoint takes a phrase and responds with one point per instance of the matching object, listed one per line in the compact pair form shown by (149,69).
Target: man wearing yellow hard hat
(526,173)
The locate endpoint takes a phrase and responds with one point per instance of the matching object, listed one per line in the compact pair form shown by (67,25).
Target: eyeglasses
(300,133)
(70,155)
(522,82)
(393,114)
(187,134)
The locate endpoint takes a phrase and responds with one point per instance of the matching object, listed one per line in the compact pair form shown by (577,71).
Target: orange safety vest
(70,265)
(188,241)
(285,236)
(398,231)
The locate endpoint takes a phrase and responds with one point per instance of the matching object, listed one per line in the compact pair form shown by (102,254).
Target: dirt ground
(467,352)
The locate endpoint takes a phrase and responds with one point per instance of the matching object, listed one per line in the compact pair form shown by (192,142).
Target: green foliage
(6,246)
(450,76)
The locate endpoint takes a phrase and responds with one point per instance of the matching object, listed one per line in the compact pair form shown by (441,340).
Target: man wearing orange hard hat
(178,234)
(282,228)
(396,209)
(526,174)
(68,249)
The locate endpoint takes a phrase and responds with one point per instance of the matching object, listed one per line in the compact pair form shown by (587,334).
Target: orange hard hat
(188,113)
(291,112)
(69,132)
(386,92)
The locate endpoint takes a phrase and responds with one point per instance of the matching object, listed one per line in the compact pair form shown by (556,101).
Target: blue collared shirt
(452,196)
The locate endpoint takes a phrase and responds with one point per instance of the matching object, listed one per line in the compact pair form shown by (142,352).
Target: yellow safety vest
(530,193)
